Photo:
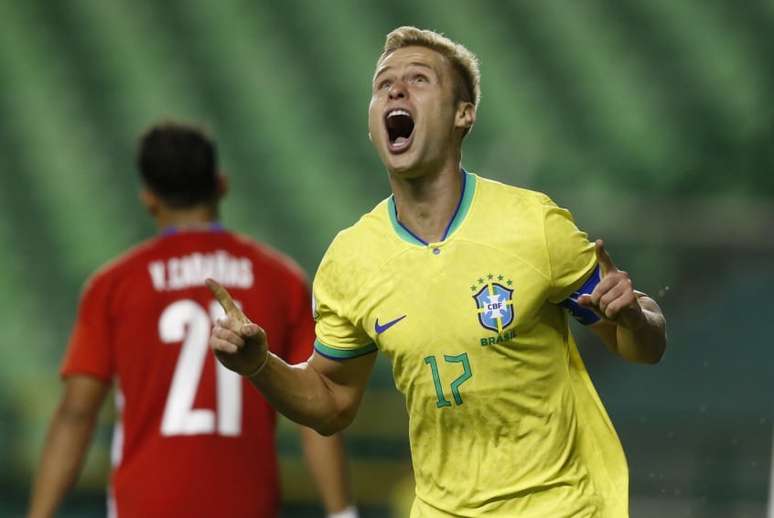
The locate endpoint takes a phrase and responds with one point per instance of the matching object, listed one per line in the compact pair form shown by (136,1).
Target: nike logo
(381,329)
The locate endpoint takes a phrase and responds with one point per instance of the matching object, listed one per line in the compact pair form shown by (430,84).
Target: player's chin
(401,159)
(402,166)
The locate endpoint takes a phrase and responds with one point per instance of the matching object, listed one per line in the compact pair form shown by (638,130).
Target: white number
(187,322)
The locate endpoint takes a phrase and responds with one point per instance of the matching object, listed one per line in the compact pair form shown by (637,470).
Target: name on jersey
(491,340)
(192,270)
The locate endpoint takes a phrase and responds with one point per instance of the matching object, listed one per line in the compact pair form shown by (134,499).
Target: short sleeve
(570,254)
(89,349)
(338,335)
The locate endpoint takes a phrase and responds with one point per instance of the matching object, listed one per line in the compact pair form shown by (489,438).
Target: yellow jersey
(503,418)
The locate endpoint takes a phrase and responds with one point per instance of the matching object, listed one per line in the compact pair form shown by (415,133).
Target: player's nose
(397,90)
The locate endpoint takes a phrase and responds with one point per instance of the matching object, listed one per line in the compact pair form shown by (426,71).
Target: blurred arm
(326,462)
(68,437)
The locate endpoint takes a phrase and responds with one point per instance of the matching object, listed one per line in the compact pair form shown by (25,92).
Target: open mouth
(400,128)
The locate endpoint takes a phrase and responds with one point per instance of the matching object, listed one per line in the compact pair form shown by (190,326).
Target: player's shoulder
(511,194)
(266,256)
(132,256)
(363,247)
(117,267)
(511,205)
(365,236)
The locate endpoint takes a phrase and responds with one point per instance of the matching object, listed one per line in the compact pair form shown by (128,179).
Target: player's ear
(370,137)
(222,184)
(150,201)
(465,116)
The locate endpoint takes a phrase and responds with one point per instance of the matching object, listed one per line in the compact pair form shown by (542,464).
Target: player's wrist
(349,512)
(261,365)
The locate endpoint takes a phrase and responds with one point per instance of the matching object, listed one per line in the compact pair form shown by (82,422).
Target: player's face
(411,118)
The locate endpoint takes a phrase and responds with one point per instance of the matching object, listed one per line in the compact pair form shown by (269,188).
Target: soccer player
(193,439)
(466,284)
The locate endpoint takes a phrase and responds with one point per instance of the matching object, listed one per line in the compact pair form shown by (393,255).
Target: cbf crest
(494,302)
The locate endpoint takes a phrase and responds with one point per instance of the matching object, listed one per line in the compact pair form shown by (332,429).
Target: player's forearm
(644,342)
(325,459)
(303,395)
(66,443)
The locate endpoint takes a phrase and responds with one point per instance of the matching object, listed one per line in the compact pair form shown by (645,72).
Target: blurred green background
(652,120)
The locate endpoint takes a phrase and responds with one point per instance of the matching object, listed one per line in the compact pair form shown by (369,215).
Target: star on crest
(490,279)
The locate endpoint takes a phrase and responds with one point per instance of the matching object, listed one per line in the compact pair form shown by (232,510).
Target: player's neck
(192,218)
(427,203)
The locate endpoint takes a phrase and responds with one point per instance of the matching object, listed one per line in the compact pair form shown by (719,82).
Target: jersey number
(455,385)
(187,322)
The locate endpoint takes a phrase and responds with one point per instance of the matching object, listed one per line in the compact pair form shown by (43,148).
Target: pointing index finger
(224,298)
(603,258)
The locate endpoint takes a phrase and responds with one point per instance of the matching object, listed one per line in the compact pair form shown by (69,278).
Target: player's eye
(384,84)
(420,78)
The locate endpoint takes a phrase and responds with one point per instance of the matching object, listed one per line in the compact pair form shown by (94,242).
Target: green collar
(463,206)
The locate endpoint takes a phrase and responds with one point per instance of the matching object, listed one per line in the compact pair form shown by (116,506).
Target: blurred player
(193,439)
(466,284)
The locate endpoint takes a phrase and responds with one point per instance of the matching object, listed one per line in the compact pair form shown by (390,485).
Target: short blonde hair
(463,61)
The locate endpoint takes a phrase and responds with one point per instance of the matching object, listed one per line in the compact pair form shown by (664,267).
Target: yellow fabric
(517,429)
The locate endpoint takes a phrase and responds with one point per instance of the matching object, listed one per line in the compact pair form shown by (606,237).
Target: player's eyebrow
(413,63)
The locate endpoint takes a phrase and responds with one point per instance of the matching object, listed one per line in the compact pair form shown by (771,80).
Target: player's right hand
(239,344)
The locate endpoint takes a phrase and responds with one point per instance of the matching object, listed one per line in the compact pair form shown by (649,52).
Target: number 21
(187,322)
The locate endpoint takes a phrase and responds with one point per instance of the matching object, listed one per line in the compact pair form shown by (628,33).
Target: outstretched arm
(633,325)
(325,459)
(323,394)
(68,438)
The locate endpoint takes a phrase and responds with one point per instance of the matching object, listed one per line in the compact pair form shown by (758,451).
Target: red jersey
(193,439)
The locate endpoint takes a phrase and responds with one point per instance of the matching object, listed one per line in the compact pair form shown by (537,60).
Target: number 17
(455,385)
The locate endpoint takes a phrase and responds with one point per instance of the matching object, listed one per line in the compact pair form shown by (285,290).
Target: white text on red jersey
(177,273)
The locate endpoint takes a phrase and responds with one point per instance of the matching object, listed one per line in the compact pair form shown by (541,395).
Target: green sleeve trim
(343,354)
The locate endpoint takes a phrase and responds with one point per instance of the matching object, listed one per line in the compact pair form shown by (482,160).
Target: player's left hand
(614,297)
(238,343)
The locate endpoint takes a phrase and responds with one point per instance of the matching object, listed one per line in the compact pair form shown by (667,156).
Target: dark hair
(178,162)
